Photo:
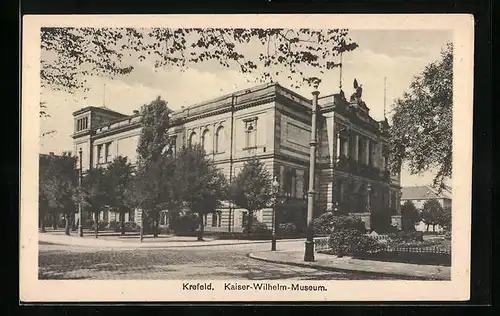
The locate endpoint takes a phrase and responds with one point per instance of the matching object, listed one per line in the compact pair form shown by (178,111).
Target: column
(338,148)
(367,151)
(356,148)
(346,147)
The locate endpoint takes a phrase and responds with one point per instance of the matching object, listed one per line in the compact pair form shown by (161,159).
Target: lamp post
(368,190)
(276,186)
(80,228)
(311,193)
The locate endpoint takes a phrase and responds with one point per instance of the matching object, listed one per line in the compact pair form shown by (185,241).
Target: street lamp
(311,193)
(369,190)
(276,187)
(80,228)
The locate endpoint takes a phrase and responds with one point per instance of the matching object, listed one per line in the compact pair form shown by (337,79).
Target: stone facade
(272,123)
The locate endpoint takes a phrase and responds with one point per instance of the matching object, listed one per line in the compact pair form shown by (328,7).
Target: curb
(336,269)
(138,245)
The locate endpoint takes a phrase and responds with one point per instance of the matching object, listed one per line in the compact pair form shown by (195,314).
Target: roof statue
(356,96)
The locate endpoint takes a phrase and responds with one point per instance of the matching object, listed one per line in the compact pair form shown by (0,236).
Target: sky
(397,55)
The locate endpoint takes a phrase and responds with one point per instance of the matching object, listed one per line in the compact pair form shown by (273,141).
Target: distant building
(420,194)
(272,123)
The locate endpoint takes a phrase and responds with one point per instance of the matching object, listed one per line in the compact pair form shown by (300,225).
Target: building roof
(99,108)
(425,192)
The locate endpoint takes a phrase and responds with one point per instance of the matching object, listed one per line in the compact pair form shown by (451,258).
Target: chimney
(136,112)
(51,153)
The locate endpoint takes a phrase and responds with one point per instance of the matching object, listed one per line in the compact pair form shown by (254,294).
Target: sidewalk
(132,242)
(333,263)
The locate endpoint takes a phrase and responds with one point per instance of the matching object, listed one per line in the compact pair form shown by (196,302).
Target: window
(82,124)
(244,219)
(192,138)
(251,133)
(173,144)
(205,141)
(99,154)
(216,219)
(219,140)
(107,149)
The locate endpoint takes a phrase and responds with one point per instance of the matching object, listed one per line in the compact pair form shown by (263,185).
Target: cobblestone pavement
(216,263)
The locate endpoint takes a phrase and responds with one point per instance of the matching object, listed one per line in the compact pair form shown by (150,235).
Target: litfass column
(311,193)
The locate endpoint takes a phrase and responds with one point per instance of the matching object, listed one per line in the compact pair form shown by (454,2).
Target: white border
(34,290)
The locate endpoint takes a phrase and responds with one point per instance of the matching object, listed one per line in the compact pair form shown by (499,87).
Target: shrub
(184,223)
(344,241)
(408,236)
(447,235)
(288,228)
(113,225)
(328,222)
(257,227)
(102,225)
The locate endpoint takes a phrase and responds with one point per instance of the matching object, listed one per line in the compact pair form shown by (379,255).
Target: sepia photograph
(267,156)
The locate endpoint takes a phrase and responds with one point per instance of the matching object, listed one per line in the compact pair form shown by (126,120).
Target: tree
(444,218)
(57,182)
(421,132)
(198,184)
(430,213)
(94,193)
(151,184)
(119,175)
(252,188)
(43,177)
(70,55)
(409,216)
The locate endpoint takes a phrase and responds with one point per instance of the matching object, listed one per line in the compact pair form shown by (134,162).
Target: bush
(113,225)
(408,236)
(88,223)
(328,222)
(257,227)
(288,228)
(344,241)
(447,235)
(102,225)
(184,223)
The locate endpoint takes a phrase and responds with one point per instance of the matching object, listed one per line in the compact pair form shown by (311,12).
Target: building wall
(274,125)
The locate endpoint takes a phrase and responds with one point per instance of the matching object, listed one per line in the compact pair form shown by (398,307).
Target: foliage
(288,228)
(70,55)
(252,188)
(344,241)
(119,175)
(407,236)
(443,218)
(328,222)
(409,216)
(103,225)
(93,194)
(380,221)
(257,227)
(431,213)
(197,183)
(421,132)
(57,184)
(184,223)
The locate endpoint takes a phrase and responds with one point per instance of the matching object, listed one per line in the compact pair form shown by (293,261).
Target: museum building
(274,124)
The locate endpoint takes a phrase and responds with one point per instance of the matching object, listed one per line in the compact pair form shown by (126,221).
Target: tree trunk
(249,223)
(122,222)
(434,228)
(42,223)
(202,228)
(427,228)
(73,221)
(54,220)
(156,224)
(96,222)
(67,224)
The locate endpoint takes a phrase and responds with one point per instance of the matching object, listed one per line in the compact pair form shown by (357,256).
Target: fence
(323,243)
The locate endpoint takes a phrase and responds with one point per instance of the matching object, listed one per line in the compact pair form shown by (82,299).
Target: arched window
(205,141)
(219,140)
(250,141)
(192,138)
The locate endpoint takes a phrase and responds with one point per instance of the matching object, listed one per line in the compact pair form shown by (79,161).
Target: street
(210,262)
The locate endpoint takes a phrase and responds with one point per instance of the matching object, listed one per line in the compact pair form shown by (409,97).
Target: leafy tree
(421,132)
(150,185)
(43,203)
(252,188)
(94,193)
(430,213)
(57,184)
(444,218)
(119,175)
(197,183)
(70,55)
(409,216)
